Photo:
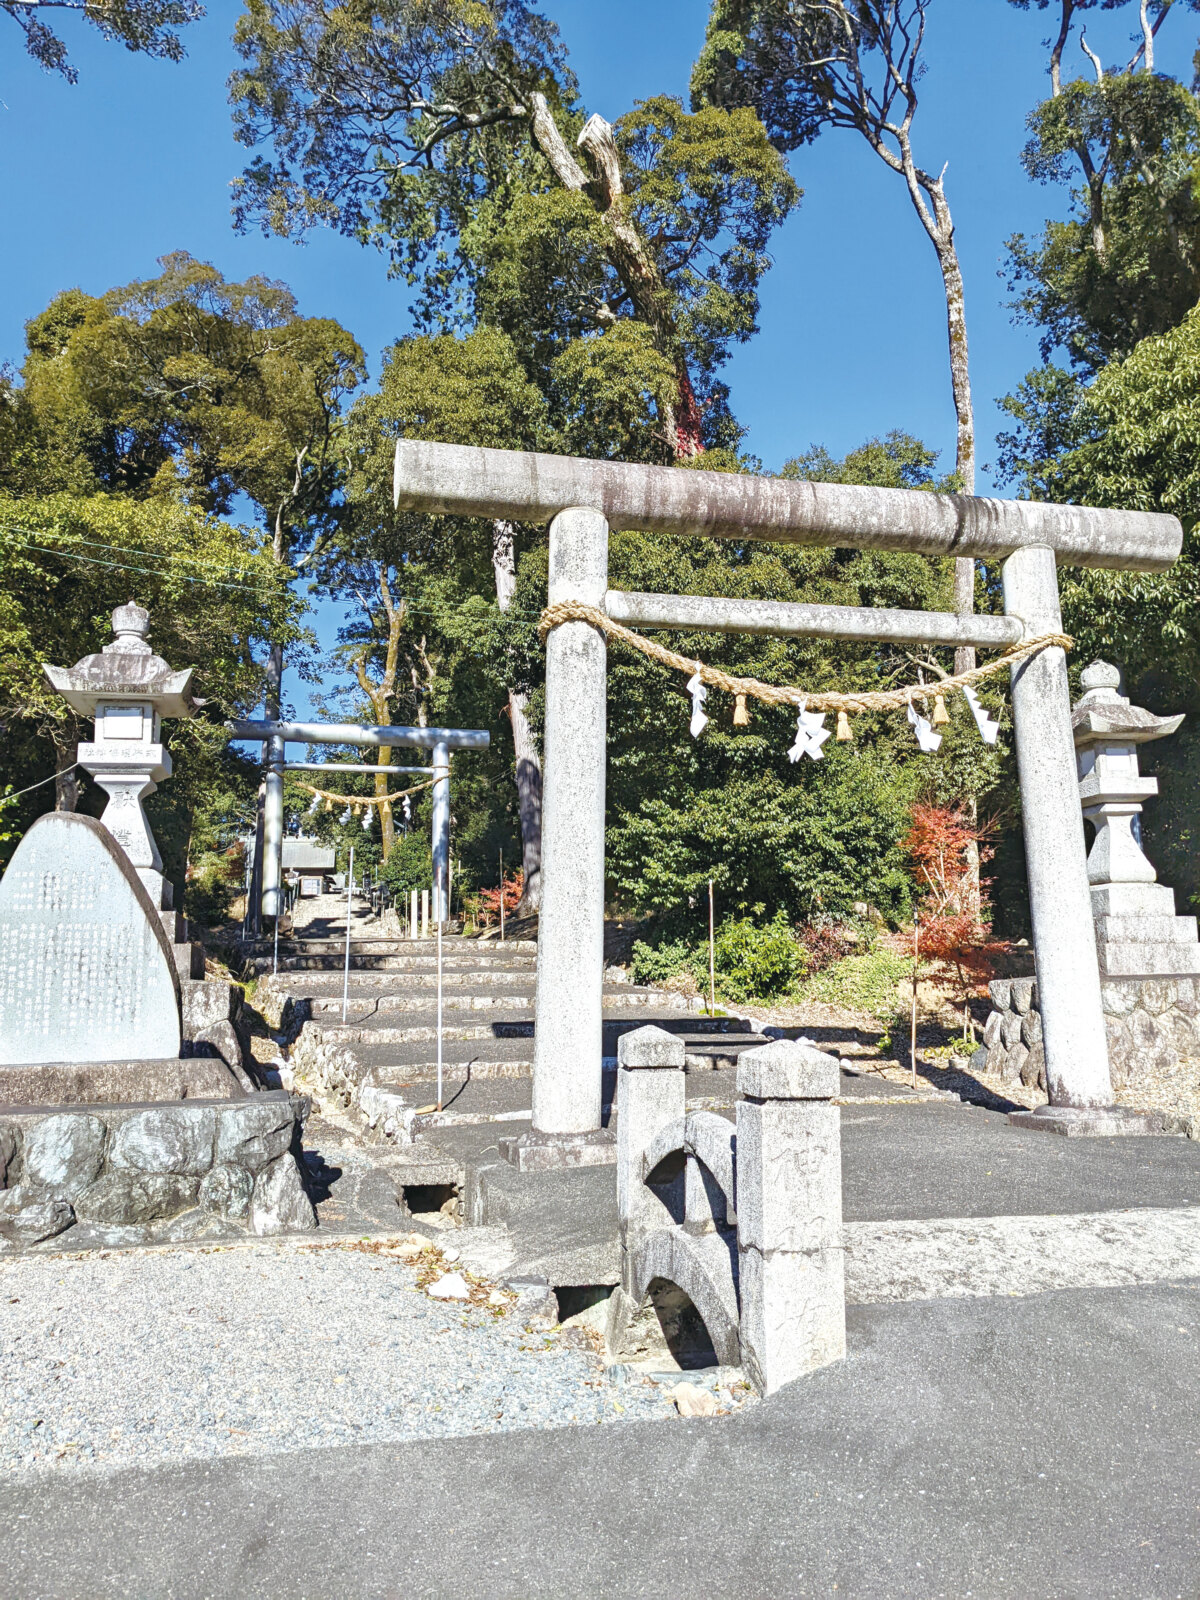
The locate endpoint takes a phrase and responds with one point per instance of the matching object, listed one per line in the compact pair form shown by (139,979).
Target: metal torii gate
(582,500)
(277,735)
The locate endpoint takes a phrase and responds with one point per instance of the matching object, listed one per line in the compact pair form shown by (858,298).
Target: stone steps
(421,1027)
(462,1059)
(467,999)
(385,964)
(322,983)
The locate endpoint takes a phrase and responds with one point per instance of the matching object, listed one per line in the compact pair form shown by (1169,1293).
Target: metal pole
(346,969)
(439,1015)
(275,962)
(272,867)
(916,971)
(502,897)
(441,832)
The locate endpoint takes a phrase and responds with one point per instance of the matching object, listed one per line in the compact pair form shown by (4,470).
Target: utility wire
(5,799)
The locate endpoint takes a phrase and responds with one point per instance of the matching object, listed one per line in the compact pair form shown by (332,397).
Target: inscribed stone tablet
(86,973)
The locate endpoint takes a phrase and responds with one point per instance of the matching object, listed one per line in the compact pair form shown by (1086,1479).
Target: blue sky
(99,180)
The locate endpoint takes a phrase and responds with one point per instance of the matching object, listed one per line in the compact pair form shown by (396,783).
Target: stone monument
(86,973)
(127,1113)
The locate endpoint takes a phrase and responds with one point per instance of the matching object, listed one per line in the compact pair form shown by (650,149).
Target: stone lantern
(128,690)
(1137,931)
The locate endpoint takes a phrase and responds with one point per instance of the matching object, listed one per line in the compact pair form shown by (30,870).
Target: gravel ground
(143,1356)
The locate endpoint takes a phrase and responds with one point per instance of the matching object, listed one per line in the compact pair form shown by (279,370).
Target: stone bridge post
(789,1211)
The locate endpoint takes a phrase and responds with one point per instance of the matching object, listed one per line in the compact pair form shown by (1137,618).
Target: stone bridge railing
(745,1218)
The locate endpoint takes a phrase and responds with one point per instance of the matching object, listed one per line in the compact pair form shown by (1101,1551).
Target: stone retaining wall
(1152,1023)
(131,1174)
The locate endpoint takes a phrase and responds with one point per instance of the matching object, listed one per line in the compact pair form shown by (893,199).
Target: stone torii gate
(582,500)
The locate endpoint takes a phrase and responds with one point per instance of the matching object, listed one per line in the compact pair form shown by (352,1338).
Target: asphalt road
(1047,1446)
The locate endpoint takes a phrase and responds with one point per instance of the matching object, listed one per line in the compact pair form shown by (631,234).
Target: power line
(149,572)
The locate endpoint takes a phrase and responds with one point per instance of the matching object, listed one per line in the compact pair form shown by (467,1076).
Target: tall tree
(1126,261)
(404,122)
(806,65)
(620,265)
(146,27)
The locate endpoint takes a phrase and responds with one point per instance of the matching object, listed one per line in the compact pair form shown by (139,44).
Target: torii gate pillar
(1064,944)
(569,1016)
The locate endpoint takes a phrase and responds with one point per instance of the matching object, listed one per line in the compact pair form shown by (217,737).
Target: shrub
(214,880)
(758,961)
(863,983)
(656,964)
(410,865)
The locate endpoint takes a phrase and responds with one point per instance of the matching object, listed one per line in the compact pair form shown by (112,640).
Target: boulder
(64,1153)
(280,1200)
(1021,991)
(131,1197)
(43,1219)
(175,1139)
(254,1135)
(226,1191)
(10,1143)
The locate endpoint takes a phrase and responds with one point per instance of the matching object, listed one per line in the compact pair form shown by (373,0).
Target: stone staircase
(380,1062)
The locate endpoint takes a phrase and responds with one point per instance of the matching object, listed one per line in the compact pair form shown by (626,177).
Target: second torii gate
(582,500)
(278,735)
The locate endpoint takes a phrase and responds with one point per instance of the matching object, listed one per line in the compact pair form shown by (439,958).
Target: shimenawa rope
(357,800)
(777,695)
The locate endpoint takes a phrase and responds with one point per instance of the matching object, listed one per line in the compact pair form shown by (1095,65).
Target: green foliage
(215,880)
(756,960)
(752,959)
(1126,263)
(866,982)
(897,461)
(656,964)
(187,387)
(143,26)
(1135,442)
(410,865)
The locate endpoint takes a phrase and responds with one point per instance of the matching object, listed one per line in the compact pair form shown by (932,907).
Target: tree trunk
(630,257)
(66,781)
(527,757)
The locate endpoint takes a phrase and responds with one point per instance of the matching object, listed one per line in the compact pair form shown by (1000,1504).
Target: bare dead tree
(380,694)
(526,754)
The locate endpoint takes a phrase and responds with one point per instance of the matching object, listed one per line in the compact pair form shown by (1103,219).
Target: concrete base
(65,1083)
(541,1152)
(1092,1122)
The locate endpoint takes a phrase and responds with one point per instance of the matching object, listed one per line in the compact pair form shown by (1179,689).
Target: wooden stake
(712,964)
(502,897)
(912,1059)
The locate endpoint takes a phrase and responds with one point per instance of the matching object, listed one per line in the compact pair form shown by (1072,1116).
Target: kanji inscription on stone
(86,972)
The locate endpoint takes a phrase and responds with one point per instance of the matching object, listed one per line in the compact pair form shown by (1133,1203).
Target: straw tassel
(940,715)
(741,717)
(844,735)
